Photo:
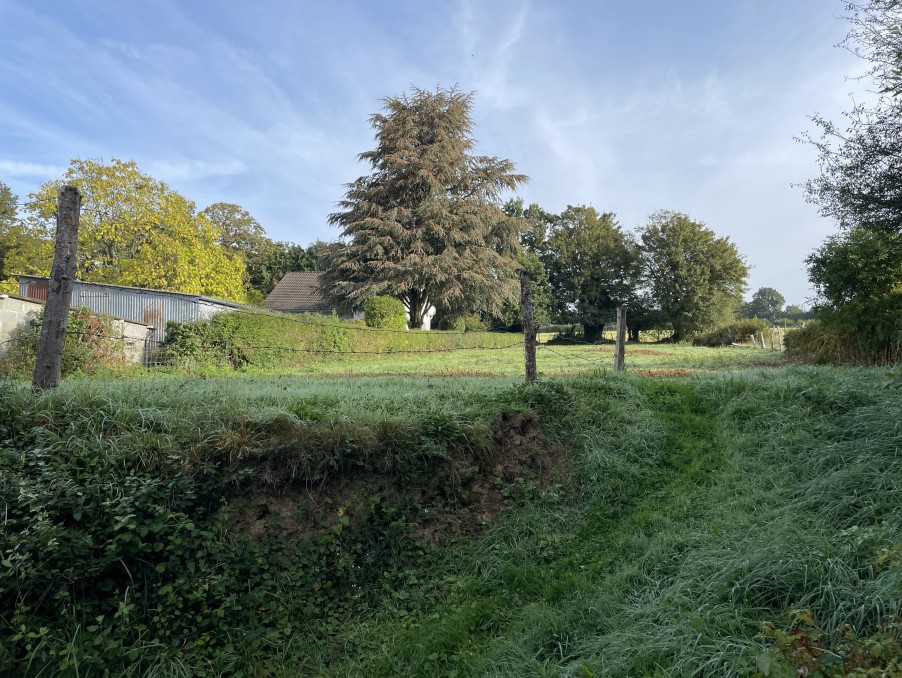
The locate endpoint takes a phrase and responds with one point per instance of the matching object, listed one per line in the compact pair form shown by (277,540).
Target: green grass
(707,507)
(697,508)
(552,360)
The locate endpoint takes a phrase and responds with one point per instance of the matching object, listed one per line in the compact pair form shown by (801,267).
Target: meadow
(708,512)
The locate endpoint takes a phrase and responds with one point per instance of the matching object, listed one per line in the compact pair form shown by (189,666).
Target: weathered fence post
(529,324)
(59,293)
(620,345)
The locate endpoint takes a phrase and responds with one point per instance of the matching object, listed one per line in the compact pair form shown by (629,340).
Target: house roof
(297,291)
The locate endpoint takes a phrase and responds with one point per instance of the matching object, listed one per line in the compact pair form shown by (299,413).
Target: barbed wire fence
(157,352)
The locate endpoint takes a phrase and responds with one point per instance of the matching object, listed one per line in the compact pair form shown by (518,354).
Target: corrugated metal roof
(149,306)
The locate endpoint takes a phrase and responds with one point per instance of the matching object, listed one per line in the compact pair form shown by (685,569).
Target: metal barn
(151,307)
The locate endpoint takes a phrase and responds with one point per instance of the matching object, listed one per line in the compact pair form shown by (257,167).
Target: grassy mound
(615,525)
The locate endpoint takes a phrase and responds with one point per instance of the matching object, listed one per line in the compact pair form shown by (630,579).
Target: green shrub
(90,345)
(732,334)
(833,340)
(464,322)
(385,312)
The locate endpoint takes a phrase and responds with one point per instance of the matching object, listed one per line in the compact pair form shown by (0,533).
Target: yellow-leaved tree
(135,230)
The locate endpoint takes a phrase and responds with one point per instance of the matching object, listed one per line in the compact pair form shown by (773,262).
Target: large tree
(694,279)
(767,304)
(858,274)
(242,235)
(25,244)
(424,225)
(137,231)
(860,181)
(593,266)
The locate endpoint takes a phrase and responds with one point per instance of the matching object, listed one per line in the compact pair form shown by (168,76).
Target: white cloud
(30,169)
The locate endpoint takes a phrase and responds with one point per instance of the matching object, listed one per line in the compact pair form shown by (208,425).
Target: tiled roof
(297,291)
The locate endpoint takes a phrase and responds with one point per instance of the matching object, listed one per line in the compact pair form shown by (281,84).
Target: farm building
(298,292)
(152,307)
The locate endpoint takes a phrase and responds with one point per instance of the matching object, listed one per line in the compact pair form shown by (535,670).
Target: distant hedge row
(246,339)
(738,332)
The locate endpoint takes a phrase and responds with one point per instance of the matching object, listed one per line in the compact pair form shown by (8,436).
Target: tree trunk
(592,333)
(417,310)
(633,332)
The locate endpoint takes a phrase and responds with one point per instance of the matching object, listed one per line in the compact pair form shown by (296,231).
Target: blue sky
(628,106)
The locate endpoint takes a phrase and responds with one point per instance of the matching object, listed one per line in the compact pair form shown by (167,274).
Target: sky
(631,107)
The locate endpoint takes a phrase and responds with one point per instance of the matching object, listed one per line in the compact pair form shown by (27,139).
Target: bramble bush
(89,346)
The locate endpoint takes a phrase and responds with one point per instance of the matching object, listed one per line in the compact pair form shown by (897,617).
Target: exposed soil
(459,501)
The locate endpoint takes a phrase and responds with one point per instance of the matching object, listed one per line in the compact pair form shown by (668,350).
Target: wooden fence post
(620,345)
(529,324)
(59,293)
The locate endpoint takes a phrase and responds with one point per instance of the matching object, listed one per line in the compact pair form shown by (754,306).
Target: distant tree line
(426,226)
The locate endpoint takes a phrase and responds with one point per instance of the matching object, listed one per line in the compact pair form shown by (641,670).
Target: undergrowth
(738,525)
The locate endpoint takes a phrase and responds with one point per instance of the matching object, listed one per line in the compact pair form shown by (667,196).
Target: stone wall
(15,310)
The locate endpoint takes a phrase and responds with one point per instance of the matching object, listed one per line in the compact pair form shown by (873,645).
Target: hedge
(736,333)
(248,339)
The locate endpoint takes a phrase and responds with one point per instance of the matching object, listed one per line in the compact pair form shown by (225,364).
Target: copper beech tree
(425,224)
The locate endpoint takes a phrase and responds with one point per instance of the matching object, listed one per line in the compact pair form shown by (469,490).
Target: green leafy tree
(8,205)
(238,231)
(26,245)
(137,231)
(593,266)
(860,181)
(424,226)
(694,279)
(767,304)
(242,235)
(533,224)
(858,278)
(796,312)
(857,274)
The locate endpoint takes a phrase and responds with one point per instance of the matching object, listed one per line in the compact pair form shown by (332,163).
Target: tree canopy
(25,244)
(767,304)
(858,274)
(860,181)
(424,225)
(137,231)
(694,279)
(593,266)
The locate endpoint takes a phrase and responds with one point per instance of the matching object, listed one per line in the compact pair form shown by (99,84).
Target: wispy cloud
(17,168)
(601,103)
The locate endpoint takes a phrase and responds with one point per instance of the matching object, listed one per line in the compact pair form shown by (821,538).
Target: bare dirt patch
(459,499)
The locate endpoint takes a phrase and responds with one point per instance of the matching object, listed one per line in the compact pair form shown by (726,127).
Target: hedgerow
(737,332)
(121,550)
(267,340)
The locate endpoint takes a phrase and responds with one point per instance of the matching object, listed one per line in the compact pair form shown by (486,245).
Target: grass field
(343,522)
(654,359)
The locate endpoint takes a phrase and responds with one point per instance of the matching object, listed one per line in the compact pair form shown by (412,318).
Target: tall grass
(697,509)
